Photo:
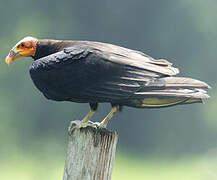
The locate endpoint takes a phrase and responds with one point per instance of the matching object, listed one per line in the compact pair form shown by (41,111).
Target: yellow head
(24,48)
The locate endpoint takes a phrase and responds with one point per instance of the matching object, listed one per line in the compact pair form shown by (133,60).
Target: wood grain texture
(90,154)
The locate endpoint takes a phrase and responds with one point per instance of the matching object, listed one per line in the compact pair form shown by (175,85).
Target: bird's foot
(79,124)
(99,125)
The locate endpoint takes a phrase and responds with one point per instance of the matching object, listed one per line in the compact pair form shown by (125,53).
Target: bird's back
(84,71)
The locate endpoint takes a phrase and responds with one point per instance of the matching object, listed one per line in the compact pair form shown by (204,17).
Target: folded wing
(98,72)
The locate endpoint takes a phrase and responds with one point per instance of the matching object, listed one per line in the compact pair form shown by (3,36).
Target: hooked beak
(12,56)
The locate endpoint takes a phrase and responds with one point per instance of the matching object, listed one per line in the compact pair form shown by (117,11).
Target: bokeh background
(172,143)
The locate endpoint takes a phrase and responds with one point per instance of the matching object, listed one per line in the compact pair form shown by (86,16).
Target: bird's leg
(105,121)
(85,121)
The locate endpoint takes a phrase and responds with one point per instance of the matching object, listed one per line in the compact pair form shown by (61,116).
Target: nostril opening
(11,54)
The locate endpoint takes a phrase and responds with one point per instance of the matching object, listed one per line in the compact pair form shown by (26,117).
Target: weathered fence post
(90,154)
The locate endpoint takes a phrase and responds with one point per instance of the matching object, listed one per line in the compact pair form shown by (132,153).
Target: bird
(95,72)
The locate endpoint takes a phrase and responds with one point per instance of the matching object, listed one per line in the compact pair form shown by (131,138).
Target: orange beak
(13,55)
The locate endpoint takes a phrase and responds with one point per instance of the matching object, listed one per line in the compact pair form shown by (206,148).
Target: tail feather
(185,82)
(161,102)
(176,90)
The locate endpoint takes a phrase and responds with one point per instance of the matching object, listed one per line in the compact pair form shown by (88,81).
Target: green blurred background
(172,143)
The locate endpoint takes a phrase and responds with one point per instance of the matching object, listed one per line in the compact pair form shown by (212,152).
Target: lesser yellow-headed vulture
(95,72)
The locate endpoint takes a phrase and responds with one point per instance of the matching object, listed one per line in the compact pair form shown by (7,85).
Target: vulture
(95,72)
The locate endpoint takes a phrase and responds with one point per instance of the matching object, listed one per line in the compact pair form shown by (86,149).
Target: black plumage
(93,72)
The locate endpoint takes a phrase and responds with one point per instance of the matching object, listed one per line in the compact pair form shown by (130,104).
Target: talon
(98,125)
(80,124)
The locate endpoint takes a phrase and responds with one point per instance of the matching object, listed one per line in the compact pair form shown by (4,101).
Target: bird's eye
(22,45)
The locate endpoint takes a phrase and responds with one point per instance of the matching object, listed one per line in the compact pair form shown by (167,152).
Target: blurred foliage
(43,165)
(182,31)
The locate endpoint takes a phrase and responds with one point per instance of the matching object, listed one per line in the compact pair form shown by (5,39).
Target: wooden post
(90,154)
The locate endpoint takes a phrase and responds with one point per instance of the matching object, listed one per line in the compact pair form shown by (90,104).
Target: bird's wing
(93,74)
(130,57)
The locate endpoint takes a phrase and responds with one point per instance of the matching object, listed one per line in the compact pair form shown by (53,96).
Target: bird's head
(24,48)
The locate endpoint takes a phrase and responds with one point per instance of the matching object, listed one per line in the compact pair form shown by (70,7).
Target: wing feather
(98,72)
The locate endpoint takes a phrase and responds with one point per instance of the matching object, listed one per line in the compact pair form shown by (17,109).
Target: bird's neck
(47,47)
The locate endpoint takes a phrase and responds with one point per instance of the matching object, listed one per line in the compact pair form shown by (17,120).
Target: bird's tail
(169,91)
